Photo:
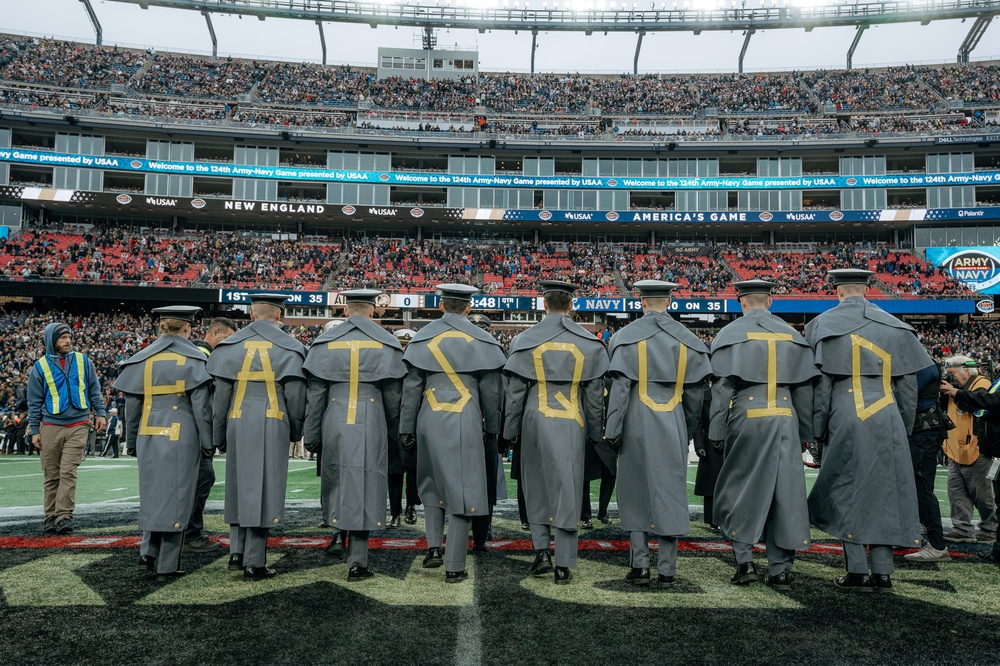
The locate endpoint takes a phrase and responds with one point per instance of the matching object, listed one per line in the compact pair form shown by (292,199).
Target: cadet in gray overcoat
(169,424)
(355,374)
(865,406)
(259,406)
(658,371)
(554,410)
(761,414)
(451,410)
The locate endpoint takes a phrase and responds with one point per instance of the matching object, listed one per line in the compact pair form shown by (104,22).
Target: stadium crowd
(177,86)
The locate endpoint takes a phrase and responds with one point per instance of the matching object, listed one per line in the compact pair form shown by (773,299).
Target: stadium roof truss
(599,16)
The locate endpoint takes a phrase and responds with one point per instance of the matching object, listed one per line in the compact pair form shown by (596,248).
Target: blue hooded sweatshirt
(40,402)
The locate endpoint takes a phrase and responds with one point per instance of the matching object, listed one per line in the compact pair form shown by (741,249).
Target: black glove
(717,444)
(408,441)
(221,447)
(592,442)
(489,439)
(514,441)
(313,447)
(130,452)
(208,453)
(700,451)
(615,443)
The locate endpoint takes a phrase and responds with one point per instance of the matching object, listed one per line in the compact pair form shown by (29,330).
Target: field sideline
(80,599)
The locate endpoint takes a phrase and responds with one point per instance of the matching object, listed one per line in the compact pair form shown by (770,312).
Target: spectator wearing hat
(63,390)
(760,415)
(658,370)
(258,409)
(968,485)
(451,396)
(554,411)
(355,375)
(168,396)
(114,433)
(864,409)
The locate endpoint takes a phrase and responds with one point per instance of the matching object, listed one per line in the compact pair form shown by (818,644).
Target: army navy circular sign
(976,269)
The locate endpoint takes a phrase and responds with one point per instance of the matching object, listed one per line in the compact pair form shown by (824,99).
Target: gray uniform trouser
(251,543)
(857,559)
(566,543)
(779,560)
(666,564)
(357,547)
(968,485)
(458,536)
(165,547)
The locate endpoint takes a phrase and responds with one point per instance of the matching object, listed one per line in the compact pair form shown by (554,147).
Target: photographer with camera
(968,452)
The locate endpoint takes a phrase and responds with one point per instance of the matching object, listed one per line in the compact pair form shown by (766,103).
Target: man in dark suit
(114,433)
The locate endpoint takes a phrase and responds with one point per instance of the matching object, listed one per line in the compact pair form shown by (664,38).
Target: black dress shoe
(563,575)
(258,573)
(147,562)
(781,582)
(455,576)
(993,557)
(745,573)
(434,558)
(638,576)
(542,564)
(411,515)
(393,523)
(586,525)
(604,518)
(525,526)
(337,546)
(359,573)
(665,582)
(853,582)
(236,562)
(167,577)
(882,583)
(479,548)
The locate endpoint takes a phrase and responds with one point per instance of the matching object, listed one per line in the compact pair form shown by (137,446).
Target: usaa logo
(545,215)
(613,182)
(976,269)
(766,217)
(383,177)
(611,217)
(135,164)
(985,306)
(417,212)
(123,199)
(198,203)
(851,181)
(348,210)
(836,216)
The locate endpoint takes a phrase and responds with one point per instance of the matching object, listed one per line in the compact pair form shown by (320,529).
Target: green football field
(107,480)
(80,599)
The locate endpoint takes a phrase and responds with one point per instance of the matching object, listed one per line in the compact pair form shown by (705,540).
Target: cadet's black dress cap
(458,292)
(272,299)
(850,275)
(481,320)
(748,287)
(179,312)
(361,295)
(557,285)
(655,288)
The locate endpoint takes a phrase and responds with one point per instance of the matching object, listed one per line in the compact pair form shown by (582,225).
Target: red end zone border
(598,545)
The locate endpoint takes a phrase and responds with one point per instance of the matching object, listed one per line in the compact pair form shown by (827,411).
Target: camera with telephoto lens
(949,377)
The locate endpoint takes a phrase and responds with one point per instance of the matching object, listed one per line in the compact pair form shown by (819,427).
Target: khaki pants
(62,451)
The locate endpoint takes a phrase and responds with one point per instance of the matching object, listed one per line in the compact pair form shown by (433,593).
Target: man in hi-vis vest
(260,400)
(62,392)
